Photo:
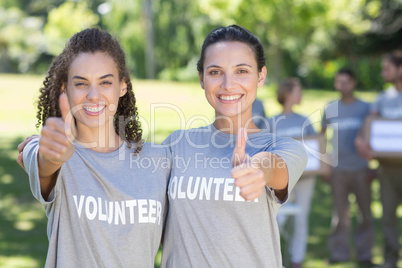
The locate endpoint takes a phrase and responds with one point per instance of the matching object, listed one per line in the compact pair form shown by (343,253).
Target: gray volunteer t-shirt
(259,114)
(291,125)
(388,104)
(209,224)
(346,120)
(107,209)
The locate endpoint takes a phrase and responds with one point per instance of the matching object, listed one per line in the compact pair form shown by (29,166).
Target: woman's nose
(228,82)
(93,93)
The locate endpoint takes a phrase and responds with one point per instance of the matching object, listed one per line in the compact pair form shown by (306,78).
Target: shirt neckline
(113,153)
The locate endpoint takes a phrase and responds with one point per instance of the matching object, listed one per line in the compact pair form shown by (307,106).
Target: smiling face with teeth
(93,90)
(231,78)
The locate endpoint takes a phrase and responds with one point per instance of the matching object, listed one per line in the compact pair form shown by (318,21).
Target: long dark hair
(233,33)
(90,41)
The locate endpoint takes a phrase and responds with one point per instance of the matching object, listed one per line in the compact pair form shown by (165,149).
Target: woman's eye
(79,84)
(242,71)
(106,83)
(214,72)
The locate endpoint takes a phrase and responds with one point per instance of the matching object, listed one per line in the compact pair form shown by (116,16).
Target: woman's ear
(201,75)
(123,88)
(261,76)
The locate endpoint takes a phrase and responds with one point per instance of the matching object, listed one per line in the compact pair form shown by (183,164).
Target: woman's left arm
(279,171)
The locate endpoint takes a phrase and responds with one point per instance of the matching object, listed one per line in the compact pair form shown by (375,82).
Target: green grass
(23,240)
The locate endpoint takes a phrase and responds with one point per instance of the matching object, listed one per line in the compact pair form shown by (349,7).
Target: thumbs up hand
(248,177)
(55,143)
(239,152)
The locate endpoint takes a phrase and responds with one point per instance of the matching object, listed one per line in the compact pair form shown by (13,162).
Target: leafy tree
(305,38)
(361,31)
(125,20)
(21,40)
(66,20)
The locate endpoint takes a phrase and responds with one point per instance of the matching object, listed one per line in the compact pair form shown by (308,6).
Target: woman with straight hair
(223,203)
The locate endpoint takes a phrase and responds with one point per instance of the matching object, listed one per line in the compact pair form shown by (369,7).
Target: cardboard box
(384,137)
(318,160)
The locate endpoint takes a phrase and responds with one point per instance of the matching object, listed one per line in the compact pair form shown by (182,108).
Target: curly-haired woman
(103,208)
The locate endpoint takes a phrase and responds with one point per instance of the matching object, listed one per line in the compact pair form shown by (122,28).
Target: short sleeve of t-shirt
(310,131)
(331,110)
(294,155)
(30,158)
(376,105)
(388,104)
(168,141)
(259,114)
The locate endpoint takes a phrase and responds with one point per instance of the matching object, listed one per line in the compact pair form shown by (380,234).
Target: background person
(388,105)
(259,114)
(350,175)
(290,124)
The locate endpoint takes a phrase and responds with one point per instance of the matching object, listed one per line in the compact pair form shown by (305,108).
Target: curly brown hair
(126,120)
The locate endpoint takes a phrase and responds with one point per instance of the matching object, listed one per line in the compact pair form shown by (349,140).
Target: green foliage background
(310,39)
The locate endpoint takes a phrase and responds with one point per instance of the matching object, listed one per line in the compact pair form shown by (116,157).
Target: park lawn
(163,107)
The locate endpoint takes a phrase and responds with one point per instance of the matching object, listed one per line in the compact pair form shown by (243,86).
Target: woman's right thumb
(64,107)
